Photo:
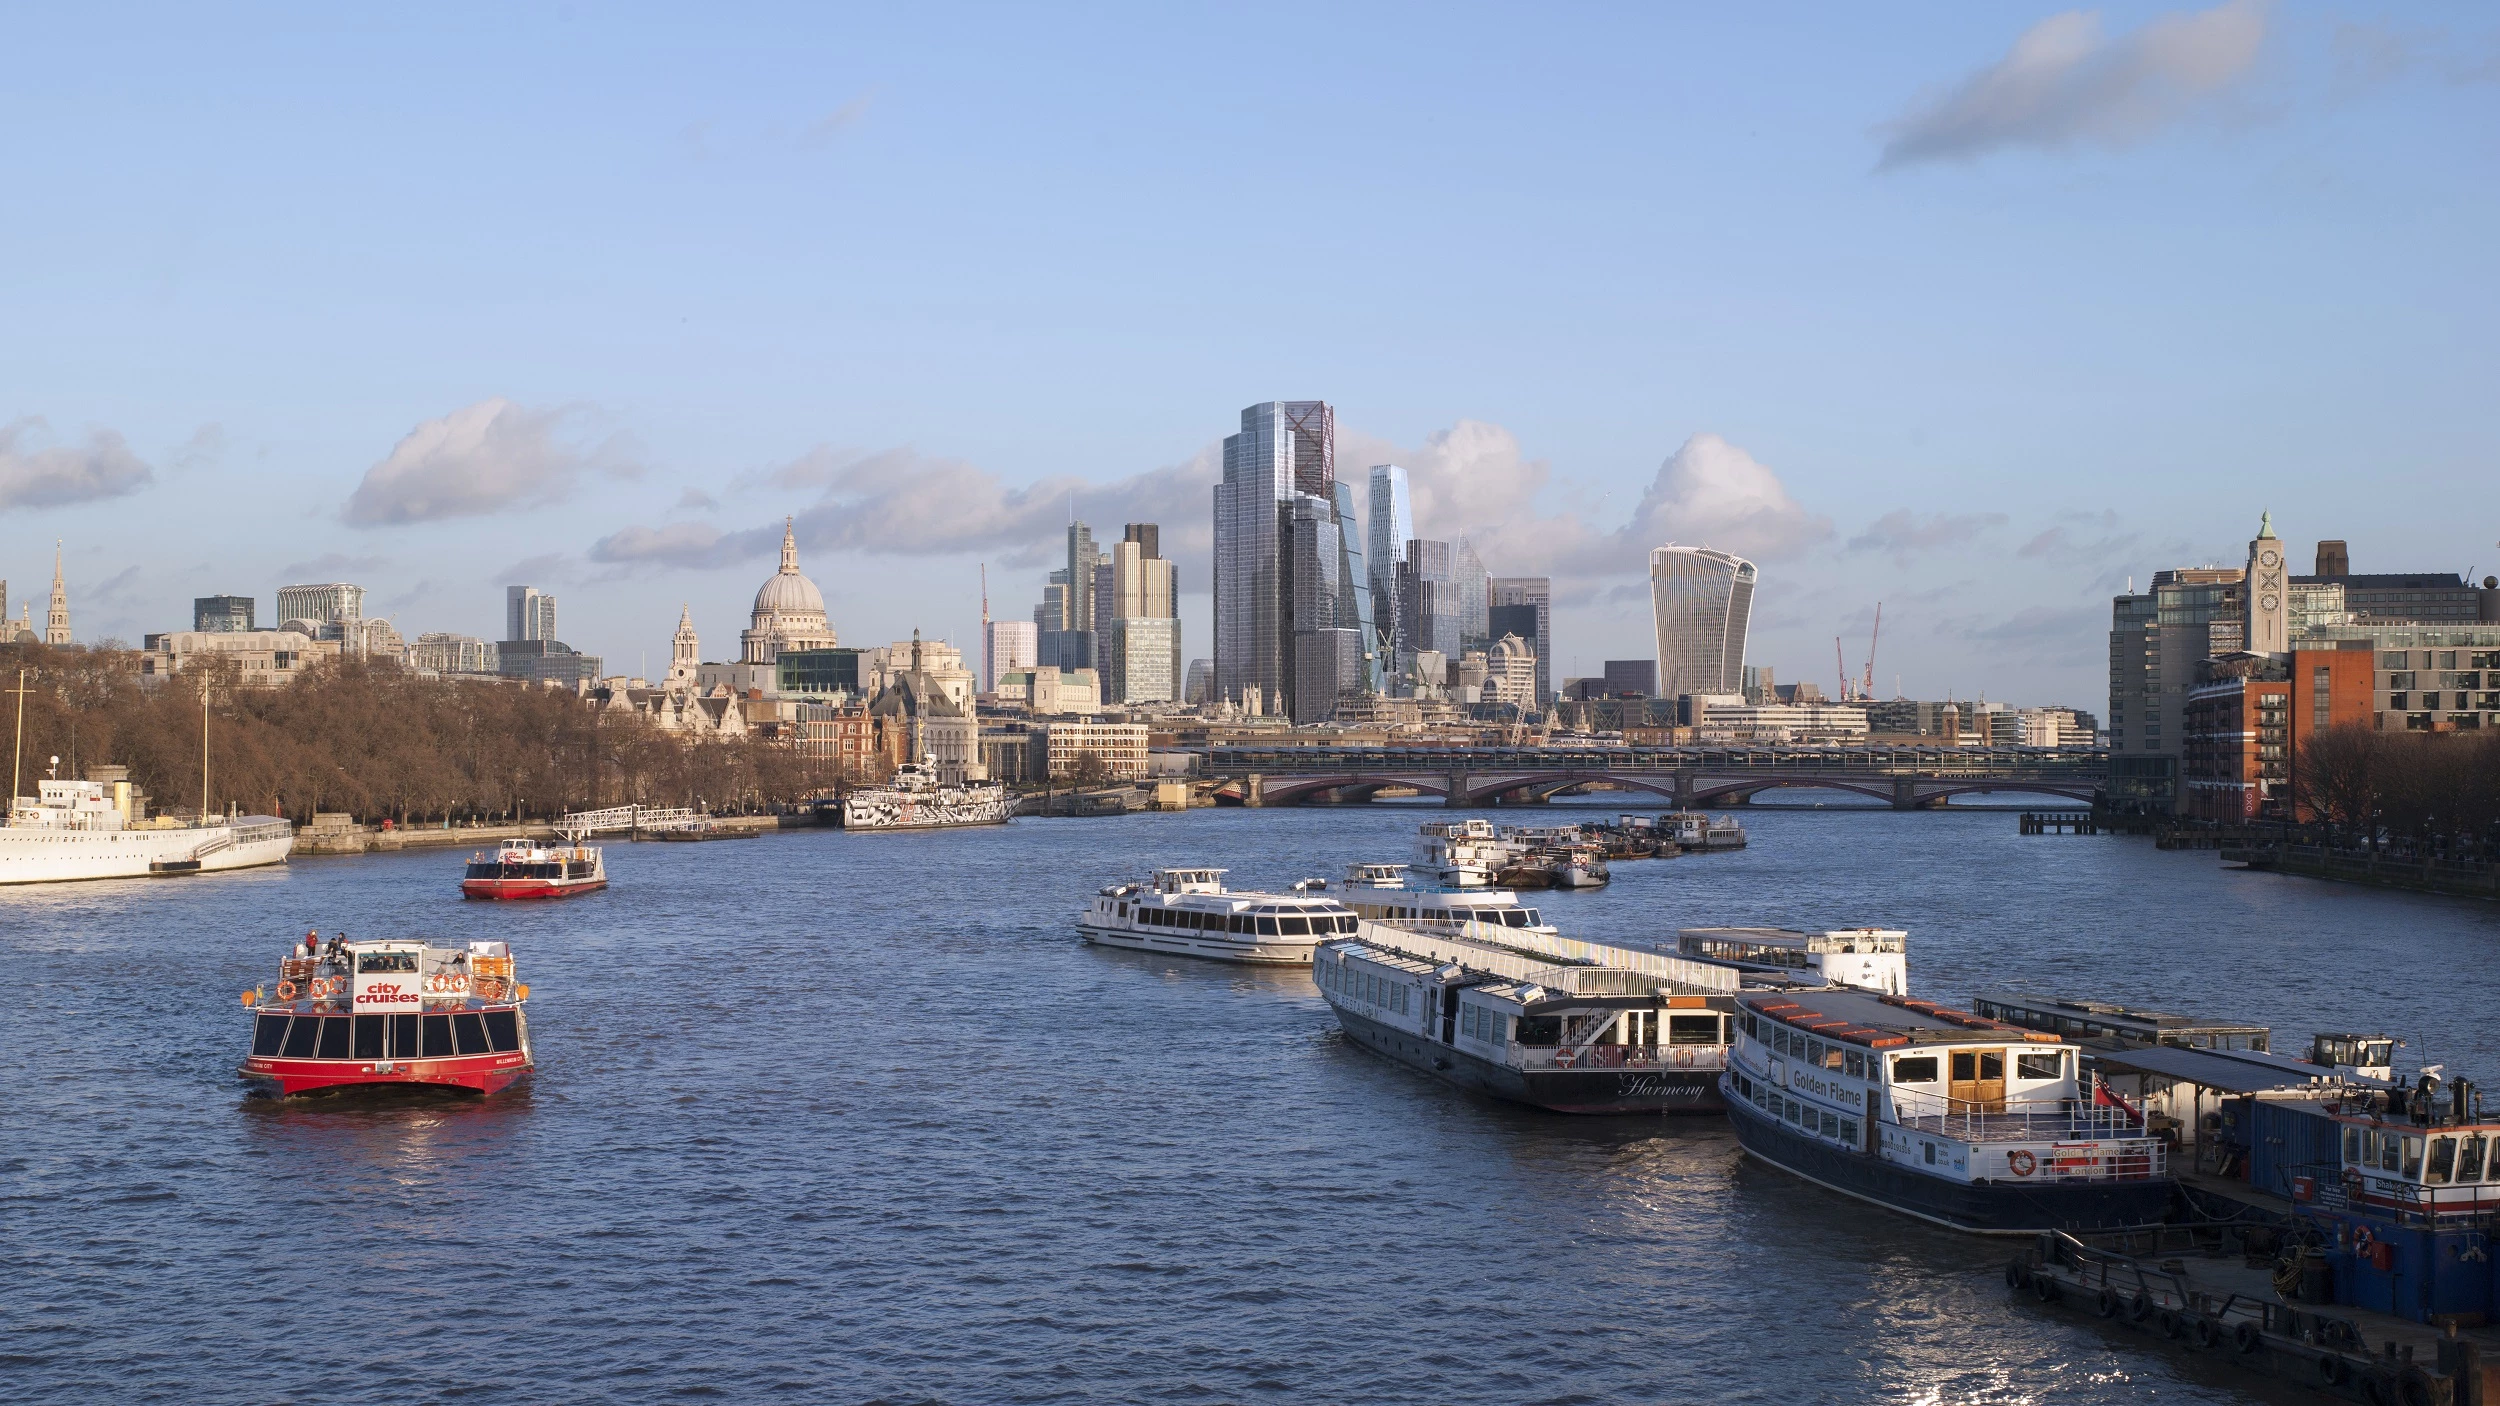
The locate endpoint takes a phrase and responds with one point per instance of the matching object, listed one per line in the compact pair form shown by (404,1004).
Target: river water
(856,1118)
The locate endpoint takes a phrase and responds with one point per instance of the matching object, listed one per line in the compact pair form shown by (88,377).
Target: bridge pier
(1684,790)
(1250,796)
(1457,794)
(1904,793)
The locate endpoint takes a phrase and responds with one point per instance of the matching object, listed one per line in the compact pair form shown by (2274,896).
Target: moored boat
(393,1011)
(1950,1117)
(531,869)
(1873,959)
(916,799)
(1189,913)
(85,830)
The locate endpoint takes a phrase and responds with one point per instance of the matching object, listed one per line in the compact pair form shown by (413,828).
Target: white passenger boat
(81,830)
(1389,893)
(1872,959)
(1189,912)
(1937,1113)
(1464,853)
(915,799)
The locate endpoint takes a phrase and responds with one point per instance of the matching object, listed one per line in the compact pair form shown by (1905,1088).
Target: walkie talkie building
(1702,602)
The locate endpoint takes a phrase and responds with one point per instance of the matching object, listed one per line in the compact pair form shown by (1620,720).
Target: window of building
(1692,1030)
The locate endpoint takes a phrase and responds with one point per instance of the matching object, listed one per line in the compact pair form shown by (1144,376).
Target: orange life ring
(2021,1162)
(2361,1239)
(287,990)
(1562,1058)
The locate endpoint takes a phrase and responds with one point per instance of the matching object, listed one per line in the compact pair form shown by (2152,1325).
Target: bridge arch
(1282,791)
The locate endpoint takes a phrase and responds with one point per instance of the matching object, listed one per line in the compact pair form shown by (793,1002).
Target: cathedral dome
(789,593)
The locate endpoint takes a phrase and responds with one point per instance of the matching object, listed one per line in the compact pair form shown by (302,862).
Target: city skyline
(2050,354)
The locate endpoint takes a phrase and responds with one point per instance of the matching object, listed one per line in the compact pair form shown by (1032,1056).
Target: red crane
(1866,688)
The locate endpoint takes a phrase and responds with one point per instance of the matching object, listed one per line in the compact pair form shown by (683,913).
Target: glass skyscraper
(1286,451)
(1702,603)
(1392,522)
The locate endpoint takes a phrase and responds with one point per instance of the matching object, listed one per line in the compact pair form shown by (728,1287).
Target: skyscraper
(1077,643)
(1428,605)
(219,614)
(528,614)
(1392,522)
(1284,448)
(1701,601)
(1475,597)
(332,603)
(1528,600)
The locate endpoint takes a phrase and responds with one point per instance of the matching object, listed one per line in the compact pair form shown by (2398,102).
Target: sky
(1976,311)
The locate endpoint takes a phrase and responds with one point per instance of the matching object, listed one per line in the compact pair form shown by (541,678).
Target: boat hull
(483,1074)
(943,809)
(1213,947)
(34,855)
(1981,1208)
(529,888)
(1586,1091)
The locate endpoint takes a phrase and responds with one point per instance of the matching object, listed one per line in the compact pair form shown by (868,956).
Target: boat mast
(19,758)
(203,749)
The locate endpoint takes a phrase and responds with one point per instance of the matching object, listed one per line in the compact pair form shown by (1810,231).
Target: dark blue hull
(1558,1090)
(1984,1208)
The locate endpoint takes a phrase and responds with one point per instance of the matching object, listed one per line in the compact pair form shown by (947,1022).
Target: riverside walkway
(1908,778)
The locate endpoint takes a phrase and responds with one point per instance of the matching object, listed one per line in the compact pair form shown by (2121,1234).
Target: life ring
(287,990)
(2020,1162)
(1562,1059)
(2362,1239)
(2246,1338)
(2106,1302)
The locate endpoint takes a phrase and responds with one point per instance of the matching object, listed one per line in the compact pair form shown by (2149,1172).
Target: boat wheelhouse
(1700,830)
(1189,912)
(1568,1026)
(2082,1019)
(1874,959)
(390,1012)
(1944,1115)
(530,869)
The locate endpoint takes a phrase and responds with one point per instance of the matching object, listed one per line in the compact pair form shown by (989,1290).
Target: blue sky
(1973,310)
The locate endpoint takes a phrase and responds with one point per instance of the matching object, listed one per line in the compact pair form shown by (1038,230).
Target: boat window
(2470,1157)
(303,1037)
(438,1037)
(1267,927)
(269,1037)
(2354,1156)
(334,1037)
(471,1033)
(1853,1064)
(403,1037)
(2413,1159)
(1294,926)
(2443,1161)
(1692,1030)
(1918,1070)
(1814,1052)
(1931,1152)
(369,1036)
(2039,1066)
(503,1030)
(2386,1152)
(1849,1131)
(385,962)
(1793,1112)
(1991,1064)
(1349,924)
(1541,1030)
(1514,917)
(1831,1057)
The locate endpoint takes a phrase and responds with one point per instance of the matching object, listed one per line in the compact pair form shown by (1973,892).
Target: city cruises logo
(387,996)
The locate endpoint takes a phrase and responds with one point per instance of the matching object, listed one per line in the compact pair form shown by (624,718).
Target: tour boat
(1950,1117)
(531,869)
(392,1011)
(1189,912)
(1567,1026)
(83,830)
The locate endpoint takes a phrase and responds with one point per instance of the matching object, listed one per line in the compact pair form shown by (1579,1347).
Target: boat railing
(1633,1057)
(2015,1120)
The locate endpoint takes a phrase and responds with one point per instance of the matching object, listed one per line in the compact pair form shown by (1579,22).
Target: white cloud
(2065,82)
(480,459)
(1716,494)
(104,467)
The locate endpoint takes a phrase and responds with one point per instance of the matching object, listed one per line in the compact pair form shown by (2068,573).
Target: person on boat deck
(312,942)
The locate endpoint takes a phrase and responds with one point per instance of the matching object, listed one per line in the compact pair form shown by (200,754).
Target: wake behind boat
(1189,913)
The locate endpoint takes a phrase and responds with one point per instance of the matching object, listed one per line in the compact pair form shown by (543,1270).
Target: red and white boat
(395,1011)
(529,869)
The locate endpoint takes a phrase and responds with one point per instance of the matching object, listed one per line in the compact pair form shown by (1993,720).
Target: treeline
(2432,793)
(371,739)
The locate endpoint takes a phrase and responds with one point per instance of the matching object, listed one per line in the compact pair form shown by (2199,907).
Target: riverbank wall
(2417,875)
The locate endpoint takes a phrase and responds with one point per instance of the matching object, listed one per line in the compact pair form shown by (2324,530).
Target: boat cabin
(390,1000)
(1189,880)
(1492,907)
(1874,959)
(2355,1056)
(2081,1019)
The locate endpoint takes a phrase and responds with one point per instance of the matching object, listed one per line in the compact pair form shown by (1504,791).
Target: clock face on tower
(2267,602)
(2269,558)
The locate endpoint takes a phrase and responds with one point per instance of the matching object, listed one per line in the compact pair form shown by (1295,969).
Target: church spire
(56,619)
(789,547)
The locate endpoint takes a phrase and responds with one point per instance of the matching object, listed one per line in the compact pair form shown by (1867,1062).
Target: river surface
(822,1117)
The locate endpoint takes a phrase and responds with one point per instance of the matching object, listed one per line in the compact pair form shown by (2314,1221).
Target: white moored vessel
(1189,912)
(915,799)
(81,830)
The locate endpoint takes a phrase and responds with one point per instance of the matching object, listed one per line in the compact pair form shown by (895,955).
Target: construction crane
(1862,690)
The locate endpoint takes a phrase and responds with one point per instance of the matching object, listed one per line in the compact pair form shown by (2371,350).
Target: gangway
(630,819)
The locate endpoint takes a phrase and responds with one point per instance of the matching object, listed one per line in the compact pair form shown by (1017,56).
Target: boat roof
(2103,1013)
(1880,1022)
(1830,940)
(2232,1071)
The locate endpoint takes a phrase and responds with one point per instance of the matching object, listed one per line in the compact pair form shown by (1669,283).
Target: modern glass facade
(325,604)
(1701,602)
(1392,522)
(217,614)
(1285,449)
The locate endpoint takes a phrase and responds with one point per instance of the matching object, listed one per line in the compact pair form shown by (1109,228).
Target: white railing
(619,818)
(2012,1120)
(1643,1058)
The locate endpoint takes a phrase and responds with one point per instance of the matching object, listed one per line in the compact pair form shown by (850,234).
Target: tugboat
(396,1011)
(1953,1118)
(1190,913)
(529,869)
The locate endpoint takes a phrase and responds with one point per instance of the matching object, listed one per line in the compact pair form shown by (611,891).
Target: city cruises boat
(395,1011)
(915,799)
(530,869)
(1872,959)
(1189,912)
(1564,1026)
(1936,1113)
(84,830)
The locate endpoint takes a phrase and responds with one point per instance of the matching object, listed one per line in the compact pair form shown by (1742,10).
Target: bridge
(625,819)
(1906,778)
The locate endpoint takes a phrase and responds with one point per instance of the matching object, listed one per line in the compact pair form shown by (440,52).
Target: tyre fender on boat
(2016,1273)
(2045,1287)
(2378,1387)
(2172,1325)
(2106,1303)
(2333,1370)
(2208,1331)
(2246,1338)
(2140,1307)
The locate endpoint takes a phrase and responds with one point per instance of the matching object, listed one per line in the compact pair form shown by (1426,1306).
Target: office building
(1524,606)
(1429,613)
(212,614)
(453,654)
(1636,678)
(1701,603)
(1078,625)
(1284,449)
(331,603)
(547,662)
(260,658)
(1144,613)
(1007,645)
(528,614)
(1141,659)
(1201,685)
(1475,597)
(1391,525)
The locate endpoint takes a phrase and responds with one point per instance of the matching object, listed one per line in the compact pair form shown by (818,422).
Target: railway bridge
(1907,778)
